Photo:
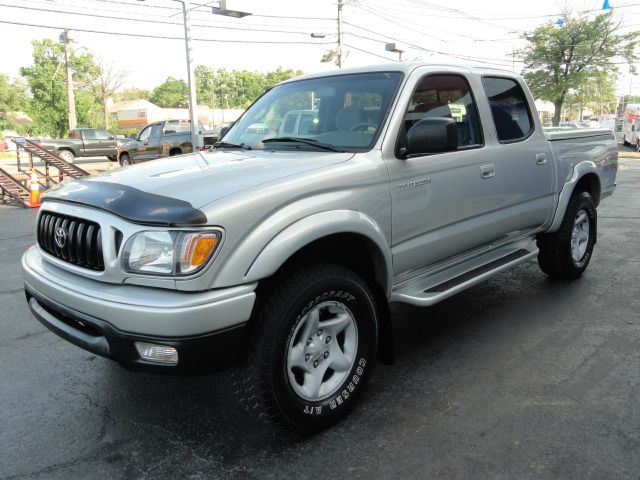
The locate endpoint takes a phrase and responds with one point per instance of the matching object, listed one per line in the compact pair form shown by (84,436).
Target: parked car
(299,122)
(83,142)
(161,139)
(281,254)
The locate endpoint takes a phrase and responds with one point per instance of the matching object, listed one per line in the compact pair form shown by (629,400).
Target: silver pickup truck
(280,255)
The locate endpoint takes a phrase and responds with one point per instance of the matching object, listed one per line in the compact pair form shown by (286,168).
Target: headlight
(169,253)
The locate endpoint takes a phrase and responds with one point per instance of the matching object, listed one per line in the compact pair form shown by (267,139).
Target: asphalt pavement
(517,378)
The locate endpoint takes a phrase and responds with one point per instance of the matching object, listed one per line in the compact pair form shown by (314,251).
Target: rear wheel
(312,348)
(66,155)
(624,141)
(566,253)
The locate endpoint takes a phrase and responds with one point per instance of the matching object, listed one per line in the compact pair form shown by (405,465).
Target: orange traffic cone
(34,200)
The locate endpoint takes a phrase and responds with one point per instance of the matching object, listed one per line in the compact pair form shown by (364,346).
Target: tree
(598,93)
(173,93)
(237,88)
(558,59)
(132,93)
(46,81)
(13,98)
(110,80)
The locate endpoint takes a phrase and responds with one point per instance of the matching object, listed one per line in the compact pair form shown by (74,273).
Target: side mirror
(432,135)
(223,132)
(133,136)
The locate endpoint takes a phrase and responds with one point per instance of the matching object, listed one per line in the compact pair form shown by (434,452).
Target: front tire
(66,155)
(125,160)
(566,253)
(312,348)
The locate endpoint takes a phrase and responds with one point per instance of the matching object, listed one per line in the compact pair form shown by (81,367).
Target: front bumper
(205,327)
(196,355)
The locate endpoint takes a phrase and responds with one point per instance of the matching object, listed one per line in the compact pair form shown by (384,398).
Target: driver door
(442,202)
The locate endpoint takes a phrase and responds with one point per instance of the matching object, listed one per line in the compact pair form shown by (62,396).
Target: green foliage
(238,88)
(559,60)
(132,93)
(597,92)
(13,98)
(46,81)
(173,93)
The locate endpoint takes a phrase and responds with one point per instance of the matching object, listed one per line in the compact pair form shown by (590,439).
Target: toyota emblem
(60,237)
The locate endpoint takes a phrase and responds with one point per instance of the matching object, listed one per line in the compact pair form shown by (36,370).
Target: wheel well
(65,149)
(354,251)
(175,151)
(590,184)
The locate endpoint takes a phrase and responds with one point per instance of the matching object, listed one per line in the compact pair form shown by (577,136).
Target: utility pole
(193,105)
(340,44)
(71,101)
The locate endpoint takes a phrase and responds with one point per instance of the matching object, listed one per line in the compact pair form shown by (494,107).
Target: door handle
(487,171)
(541,159)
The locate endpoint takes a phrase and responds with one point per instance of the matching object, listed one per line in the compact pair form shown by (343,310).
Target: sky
(130,34)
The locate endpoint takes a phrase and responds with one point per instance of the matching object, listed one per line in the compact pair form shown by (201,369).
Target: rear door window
(509,108)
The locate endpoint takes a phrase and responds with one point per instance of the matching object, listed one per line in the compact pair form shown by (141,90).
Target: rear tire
(311,350)
(66,155)
(624,141)
(565,254)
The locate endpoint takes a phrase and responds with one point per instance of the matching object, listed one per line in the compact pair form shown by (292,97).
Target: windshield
(342,111)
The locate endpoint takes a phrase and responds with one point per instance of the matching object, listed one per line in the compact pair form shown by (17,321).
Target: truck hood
(191,180)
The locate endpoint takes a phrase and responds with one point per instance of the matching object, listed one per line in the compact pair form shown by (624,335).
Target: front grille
(80,239)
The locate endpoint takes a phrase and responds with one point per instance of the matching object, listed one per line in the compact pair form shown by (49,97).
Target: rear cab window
(509,109)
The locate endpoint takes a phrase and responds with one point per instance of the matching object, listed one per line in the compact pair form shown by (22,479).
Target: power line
(138,4)
(418,47)
(163,22)
(478,15)
(212,21)
(140,35)
(387,16)
(370,53)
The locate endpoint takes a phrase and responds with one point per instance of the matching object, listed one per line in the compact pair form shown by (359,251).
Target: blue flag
(606,5)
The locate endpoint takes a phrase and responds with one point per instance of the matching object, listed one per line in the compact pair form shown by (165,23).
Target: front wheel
(125,160)
(312,348)
(566,253)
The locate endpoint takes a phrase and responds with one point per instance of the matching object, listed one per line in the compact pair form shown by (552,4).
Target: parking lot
(519,377)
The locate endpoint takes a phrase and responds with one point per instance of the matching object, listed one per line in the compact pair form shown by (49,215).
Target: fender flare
(315,227)
(579,170)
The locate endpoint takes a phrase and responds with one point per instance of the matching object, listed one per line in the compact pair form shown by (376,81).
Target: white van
(631,125)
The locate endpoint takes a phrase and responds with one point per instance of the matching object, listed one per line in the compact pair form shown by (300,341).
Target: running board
(430,290)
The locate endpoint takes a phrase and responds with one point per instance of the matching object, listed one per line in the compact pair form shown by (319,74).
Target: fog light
(157,353)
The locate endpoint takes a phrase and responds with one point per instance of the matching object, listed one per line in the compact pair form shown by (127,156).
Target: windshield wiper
(231,145)
(306,141)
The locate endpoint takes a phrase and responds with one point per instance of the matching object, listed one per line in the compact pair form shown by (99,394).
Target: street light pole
(71,101)
(340,45)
